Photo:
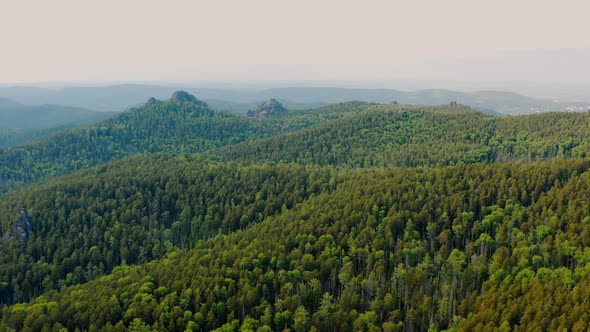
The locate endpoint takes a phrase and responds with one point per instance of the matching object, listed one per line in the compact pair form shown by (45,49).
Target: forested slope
(169,126)
(395,135)
(134,211)
(385,135)
(354,216)
(455,247)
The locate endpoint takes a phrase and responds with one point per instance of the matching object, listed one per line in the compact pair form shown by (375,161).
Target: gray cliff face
(270,107)
(152,101)
(21,229)
(185,97)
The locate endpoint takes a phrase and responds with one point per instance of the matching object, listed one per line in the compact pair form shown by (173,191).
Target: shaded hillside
(24,123)
(133,211)
(12,137)
(397,135)
(388,249)
(47,116)
(6,103)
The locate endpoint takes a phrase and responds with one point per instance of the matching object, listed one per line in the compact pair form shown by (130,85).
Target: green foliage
(387,217)
(135,211)
(365,256)
(174,127)
(393,135)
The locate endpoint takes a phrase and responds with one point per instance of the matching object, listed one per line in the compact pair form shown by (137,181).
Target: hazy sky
(127,40)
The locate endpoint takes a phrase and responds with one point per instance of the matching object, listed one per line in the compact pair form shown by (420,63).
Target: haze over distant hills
(116,98)
(46,116)
(20,123)
(295,166)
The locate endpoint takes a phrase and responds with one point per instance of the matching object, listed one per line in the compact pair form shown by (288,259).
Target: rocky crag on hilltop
(183,96)
(178,96)
(151,101)
(270,107)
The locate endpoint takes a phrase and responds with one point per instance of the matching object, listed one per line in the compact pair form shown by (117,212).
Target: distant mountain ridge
(46,116)
(117,98)
(5,103)
(21,123)
(499,101)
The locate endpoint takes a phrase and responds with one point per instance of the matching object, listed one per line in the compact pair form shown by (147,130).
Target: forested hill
(354,216)
(76,228)
(394,135)
(463,247)
(180,125)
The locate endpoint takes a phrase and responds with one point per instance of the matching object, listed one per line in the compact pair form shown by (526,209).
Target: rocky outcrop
(183,96)
(270,107)
(21,229)
(152,101)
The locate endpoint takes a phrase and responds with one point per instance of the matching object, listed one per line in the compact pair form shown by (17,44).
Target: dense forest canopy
(173,126)
(353,134)
(392,135)
(355,216)
(383,249)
